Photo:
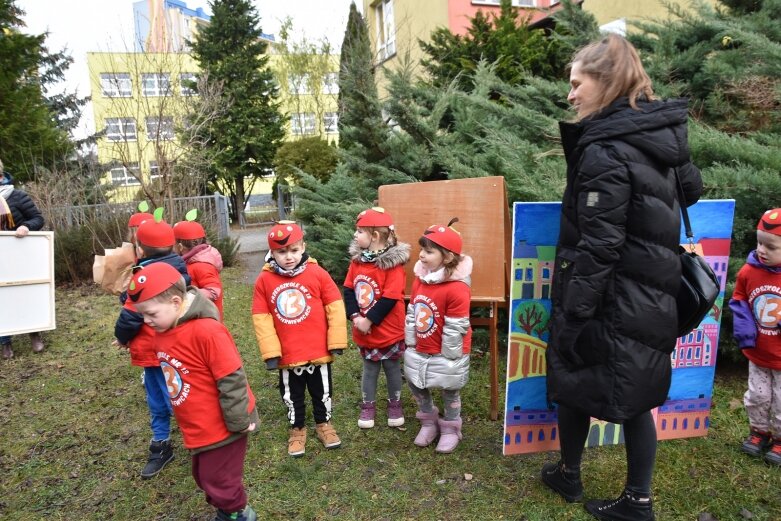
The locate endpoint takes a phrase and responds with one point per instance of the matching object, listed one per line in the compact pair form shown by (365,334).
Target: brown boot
(296,442)
(327,435)
(37,342)
(8,353)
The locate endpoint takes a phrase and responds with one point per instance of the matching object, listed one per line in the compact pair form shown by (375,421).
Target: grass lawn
(75,435)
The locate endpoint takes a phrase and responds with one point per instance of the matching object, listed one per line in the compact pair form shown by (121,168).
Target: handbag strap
(682,203)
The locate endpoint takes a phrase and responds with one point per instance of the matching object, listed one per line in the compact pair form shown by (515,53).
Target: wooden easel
(484,222)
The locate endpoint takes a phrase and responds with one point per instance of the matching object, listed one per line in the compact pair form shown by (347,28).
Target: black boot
(160,453)
(627,507)
(564,483)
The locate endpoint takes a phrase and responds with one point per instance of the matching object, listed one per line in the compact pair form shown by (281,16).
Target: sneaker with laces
(248,514)
(366,419)
(626,507)
(773,456)
(327,435)
(395,413)
(296,442)
(566,484)
(756,443)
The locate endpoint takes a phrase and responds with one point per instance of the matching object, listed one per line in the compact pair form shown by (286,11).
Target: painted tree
(34,124)
(532,317)
(242,141)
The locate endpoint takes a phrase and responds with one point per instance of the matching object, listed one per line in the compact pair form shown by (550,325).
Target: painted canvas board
(530,424)
(26,283)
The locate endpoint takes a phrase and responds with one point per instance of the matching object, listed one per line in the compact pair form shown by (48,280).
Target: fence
(212,213)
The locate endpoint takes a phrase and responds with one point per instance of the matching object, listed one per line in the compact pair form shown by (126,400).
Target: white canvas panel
(25,259)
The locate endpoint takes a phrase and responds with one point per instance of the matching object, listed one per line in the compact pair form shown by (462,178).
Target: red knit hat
(284,233)
(155,234)
(187,230)
(137,218)
(771,222)
(445,236)
(151,280)
(374,217)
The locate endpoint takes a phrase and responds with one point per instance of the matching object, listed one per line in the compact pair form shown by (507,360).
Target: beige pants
(763,399)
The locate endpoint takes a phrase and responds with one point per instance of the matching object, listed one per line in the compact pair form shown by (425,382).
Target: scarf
(6,217)
(291,272)
(371,256)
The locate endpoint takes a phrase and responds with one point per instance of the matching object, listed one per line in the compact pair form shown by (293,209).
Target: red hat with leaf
(151,280)
(155,232)
(189,229)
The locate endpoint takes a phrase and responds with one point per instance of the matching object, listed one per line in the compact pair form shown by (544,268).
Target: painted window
(160,128)
(116,85)
(186,84)
(386,30)
(121,129)
(125,176)
(157,84)
(331,122)
(302,123)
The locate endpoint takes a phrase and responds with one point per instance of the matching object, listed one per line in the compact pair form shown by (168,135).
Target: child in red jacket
(299,320)
(204,262)
(206,384)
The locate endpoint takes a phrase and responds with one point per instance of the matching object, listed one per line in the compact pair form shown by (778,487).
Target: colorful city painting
(530,425)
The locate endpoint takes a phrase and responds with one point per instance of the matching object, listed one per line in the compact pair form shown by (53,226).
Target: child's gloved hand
(272,363)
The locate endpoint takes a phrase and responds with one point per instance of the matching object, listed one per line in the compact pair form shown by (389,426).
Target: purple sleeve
(743,328)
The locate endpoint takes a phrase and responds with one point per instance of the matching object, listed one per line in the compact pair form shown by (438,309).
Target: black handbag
(699,285)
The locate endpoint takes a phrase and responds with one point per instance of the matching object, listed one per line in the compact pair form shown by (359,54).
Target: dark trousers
(220,474)
(295,381)
(639,437)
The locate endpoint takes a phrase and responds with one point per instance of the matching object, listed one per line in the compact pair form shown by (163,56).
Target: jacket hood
(204,253)
(395,255)
(462,273)
(197,306)
(658,129)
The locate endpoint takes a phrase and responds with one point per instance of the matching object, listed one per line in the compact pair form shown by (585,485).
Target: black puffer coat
(614,316)
(23,210)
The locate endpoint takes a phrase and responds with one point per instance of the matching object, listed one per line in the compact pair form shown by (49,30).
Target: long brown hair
(615,64)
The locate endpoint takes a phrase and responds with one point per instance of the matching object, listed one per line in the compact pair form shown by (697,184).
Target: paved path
(253,245)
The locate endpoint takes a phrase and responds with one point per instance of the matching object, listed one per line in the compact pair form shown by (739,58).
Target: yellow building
(615,15)
(139,99)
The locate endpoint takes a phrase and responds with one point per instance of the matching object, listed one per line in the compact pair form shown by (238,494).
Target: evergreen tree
(361,127)
(241,141)
(33,128)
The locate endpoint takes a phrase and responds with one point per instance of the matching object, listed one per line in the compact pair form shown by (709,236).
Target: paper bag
(113,270)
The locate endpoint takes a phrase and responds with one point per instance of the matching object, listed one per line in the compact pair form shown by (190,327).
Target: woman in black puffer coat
(19,214)
(614,316)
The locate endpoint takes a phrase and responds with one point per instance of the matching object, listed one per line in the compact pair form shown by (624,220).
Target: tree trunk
(240,199)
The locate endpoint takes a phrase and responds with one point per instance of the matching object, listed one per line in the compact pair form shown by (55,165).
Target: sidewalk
(253,245)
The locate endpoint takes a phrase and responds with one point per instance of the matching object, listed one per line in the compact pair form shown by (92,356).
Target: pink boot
(428,427)
(449,435)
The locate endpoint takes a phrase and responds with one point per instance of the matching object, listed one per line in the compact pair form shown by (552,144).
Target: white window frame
(386,30)
(116,85)
(516,3)
(331,83)
(164,125)
(331,122)
(126,178)
(298,84)
(302,123)
(154,170)
(121,129)
(155,84)
(187,77)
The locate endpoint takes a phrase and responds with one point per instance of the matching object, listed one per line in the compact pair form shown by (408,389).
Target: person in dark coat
(617,272)
(19,214)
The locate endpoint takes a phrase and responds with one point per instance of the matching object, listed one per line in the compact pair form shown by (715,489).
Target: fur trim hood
(396,255)
(462,273)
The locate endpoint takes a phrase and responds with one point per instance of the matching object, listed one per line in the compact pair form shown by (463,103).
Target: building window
(515,3)
(331,83)
(156,84)
(116,85)
(187,81)
(302,123)
(154,169)
(386,30)
(298,84)
(125,176)
(331,122)
(160,128)
(121,129)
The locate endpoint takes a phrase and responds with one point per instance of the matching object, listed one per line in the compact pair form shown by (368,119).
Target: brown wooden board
(483,220)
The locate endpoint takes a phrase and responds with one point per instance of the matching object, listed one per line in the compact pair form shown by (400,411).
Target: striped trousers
(295,381)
